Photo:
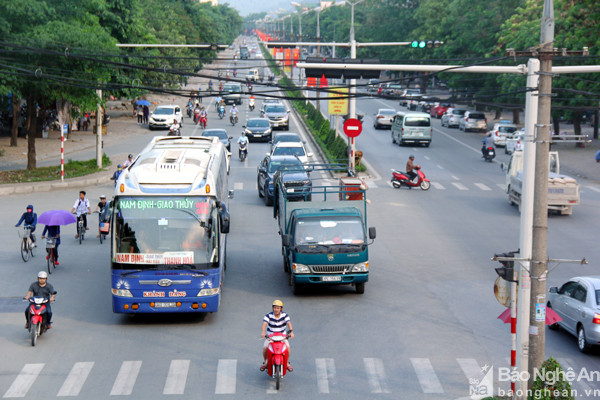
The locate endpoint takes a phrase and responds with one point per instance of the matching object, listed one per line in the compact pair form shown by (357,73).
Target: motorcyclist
(233,112)
(115,176)
(210,86)
(175,128)
(487,143)
(29,218)
(197,113)
(275,322)
(128,162)
(243,141)
(217,102)
(203,113)
(101,208)
(41,288)
(410,168)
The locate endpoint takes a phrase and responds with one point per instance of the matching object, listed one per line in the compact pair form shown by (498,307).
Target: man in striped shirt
(275,322)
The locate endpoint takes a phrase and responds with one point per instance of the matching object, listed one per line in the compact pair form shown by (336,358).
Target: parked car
(577,302)
(295,149)
(452,116)
(501,131)
(221,134)
(285,137)
(258,128)
(278,116)
(298,181)
(163,116)
(473,121)
(438,109)
(384,117)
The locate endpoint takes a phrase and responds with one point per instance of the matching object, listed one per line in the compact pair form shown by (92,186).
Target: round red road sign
(352,127)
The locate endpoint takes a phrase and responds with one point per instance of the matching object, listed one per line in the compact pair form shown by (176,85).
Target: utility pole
(539,262)
(318,55)
(99,120)
(352,87)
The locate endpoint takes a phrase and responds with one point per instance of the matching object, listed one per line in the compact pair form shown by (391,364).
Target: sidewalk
(123,125)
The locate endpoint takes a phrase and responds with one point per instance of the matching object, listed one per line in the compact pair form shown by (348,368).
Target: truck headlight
(361,267)
(300,268)
(208,292)
(121,292)
(248,131)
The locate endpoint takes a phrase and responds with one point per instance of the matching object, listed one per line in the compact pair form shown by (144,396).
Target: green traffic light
(414,44)
(422,44)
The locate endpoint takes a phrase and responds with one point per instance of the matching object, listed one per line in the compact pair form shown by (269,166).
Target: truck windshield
(329,231)
(152,231)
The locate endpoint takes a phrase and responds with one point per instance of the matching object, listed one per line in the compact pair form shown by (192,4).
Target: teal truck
(324,240)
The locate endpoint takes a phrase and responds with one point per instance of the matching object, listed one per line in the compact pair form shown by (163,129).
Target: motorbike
(233,119)
(38,319)
(277,357)
(243,152)
(489,154)
(251,104)
(250,87)
(220,87)
(196,117)
(189,111)
(174,132)
(221,112)
(400,179)
(203,121)
(234,73)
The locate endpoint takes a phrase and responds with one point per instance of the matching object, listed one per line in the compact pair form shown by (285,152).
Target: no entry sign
(352,127)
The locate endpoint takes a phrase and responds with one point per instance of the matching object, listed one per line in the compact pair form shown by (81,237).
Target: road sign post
(352,128)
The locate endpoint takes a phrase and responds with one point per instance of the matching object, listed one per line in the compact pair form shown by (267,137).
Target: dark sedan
(258,128)
(221,134)
(296,181)
(285,137)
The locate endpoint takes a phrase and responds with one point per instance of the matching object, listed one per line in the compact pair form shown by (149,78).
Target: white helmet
(43,275)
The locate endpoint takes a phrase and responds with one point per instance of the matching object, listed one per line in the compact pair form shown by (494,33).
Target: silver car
(277,115)
(577,302)
(473,121)
(452,116)
(384,118)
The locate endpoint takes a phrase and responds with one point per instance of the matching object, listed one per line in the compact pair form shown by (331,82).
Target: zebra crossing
(375,377)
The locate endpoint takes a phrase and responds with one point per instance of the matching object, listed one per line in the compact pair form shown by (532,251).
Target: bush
(550,383)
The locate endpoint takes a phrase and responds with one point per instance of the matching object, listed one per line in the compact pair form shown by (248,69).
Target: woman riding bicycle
(29,218)
(53,232)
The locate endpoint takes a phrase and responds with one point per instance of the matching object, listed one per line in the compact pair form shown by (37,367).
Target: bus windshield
(165,232)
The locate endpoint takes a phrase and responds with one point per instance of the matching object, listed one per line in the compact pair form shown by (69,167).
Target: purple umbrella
(57,217)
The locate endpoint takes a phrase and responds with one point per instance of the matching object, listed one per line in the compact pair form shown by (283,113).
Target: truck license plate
(331,278)
(165,305)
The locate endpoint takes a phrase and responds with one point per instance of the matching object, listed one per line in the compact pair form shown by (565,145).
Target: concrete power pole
(99,120)
(539,263)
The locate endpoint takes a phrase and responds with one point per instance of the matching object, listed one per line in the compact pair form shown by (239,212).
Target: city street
(425,327)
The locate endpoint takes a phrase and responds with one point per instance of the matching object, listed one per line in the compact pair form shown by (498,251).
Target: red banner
(288,57)
(323,82)
(296,56)
(311,82)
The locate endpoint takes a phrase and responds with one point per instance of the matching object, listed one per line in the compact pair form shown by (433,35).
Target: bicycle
(80,228)
(27,248)
(51,250)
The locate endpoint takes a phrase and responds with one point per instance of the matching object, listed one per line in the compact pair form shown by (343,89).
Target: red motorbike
(38,320)
(400,179)
(203,121)
(277,357)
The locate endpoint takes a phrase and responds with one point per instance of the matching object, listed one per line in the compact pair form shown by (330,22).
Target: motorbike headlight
(121,292)
(300,268)
(361,267)
(208,292)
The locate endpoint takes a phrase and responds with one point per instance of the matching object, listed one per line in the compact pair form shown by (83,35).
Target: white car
(163,116)
(384,117)
(503,130)
(296,149)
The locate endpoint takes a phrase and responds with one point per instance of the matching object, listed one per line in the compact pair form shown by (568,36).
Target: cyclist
(81,207)
(29,218)
(41,288)
(101,208)
(53,231)
(275,322)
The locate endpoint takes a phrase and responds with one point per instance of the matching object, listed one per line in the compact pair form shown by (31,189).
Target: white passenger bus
(169,227)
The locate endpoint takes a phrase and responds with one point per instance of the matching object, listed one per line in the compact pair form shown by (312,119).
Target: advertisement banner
(338,106)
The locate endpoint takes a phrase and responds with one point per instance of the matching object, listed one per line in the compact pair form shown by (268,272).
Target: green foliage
(550,383)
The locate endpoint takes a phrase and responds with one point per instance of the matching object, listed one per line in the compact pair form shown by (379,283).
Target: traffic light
(339,72)
(421,44)
(507,270)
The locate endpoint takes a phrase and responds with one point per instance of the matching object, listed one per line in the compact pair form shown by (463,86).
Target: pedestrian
(199,91)
(597,156)
(146,112)
(140,114)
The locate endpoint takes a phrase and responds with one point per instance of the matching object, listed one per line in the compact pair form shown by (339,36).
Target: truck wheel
(360,287)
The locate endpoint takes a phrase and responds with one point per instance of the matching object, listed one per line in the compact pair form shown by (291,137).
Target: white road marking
(376,375)
(470,368)
(24,380)
(325,373)
(455,178)
(460,186)
(177,377)
(126,378)
(439,166)
(426,157)
(482,186)
(238,186)
(595,189)
(501,185)
(76,378)
(226,377)
(438,185)
(426,375)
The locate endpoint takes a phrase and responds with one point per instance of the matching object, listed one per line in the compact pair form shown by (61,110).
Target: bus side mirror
(285,240)
(223,217)
(372,232)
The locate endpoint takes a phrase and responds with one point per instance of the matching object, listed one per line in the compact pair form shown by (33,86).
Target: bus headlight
(300,269)
(208,292)
(361,267)
(121,292)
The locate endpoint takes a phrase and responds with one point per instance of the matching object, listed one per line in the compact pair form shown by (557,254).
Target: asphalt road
(425,325)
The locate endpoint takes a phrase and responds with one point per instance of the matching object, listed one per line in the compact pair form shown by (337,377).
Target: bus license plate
(331,278)
(165,305)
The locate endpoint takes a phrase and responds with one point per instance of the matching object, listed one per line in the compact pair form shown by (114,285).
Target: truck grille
(331,269)
(294,184)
